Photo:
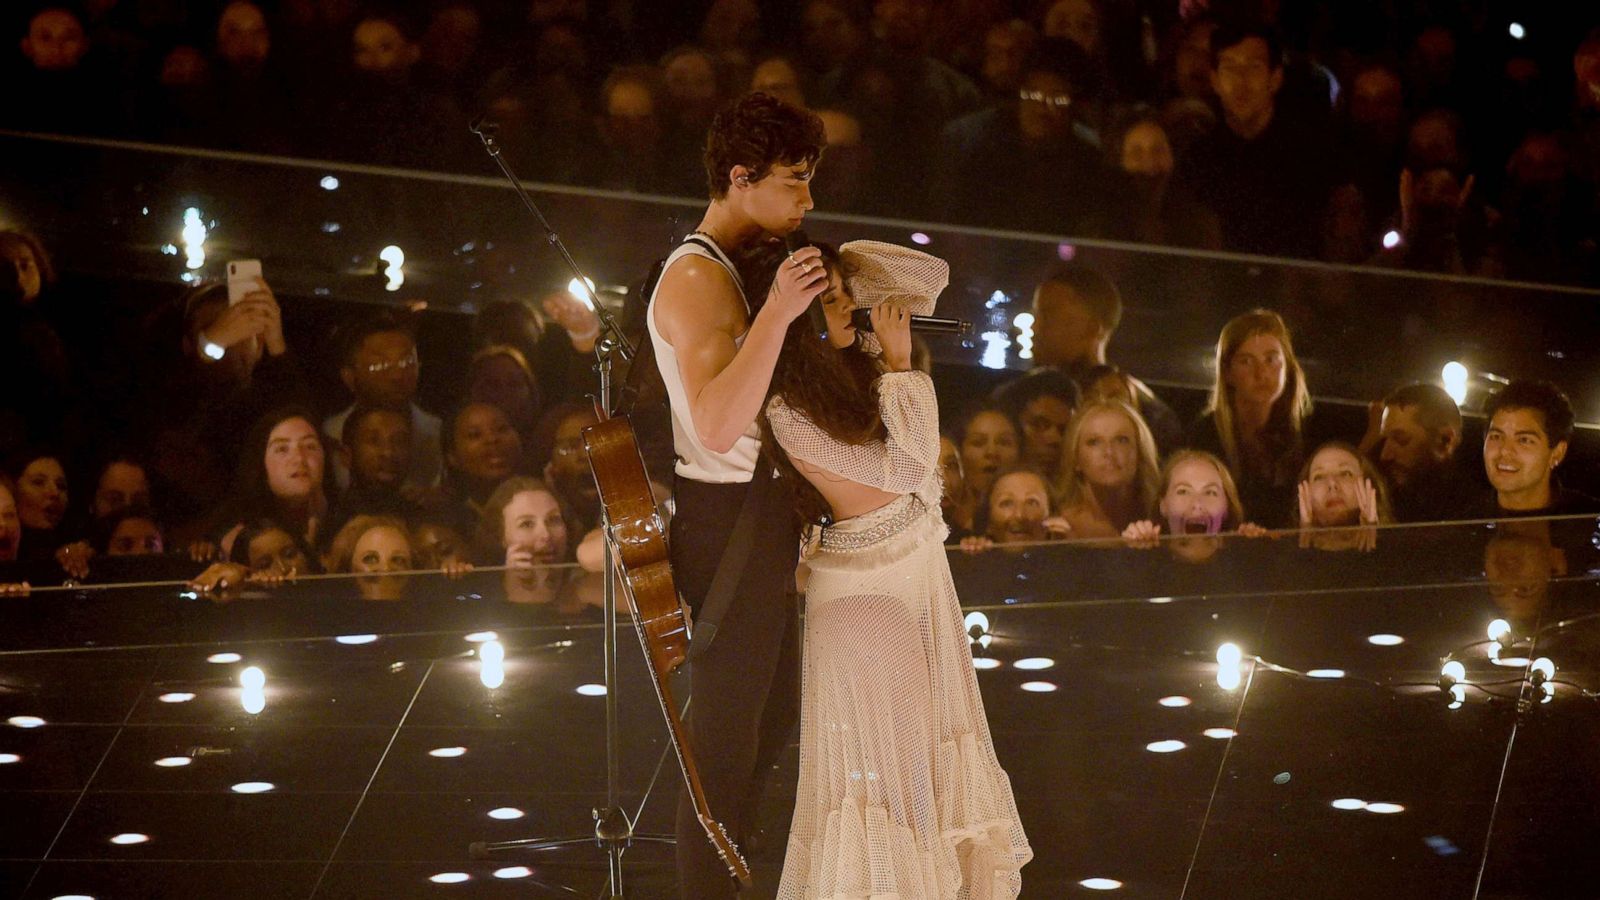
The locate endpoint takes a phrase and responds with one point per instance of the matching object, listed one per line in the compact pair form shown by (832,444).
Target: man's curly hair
(759,131)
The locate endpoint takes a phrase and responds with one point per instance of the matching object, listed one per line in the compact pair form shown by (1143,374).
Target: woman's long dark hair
(835,389)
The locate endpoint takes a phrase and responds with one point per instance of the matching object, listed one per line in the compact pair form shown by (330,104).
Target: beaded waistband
(873,528)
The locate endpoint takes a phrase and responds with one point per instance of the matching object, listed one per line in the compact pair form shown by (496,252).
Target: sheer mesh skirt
(900,795)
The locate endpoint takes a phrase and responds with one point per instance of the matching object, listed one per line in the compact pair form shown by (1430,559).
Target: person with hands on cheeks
(1341,489)
(525,526)
(1019,510)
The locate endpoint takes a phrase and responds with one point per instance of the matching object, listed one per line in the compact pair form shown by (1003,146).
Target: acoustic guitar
(637,534)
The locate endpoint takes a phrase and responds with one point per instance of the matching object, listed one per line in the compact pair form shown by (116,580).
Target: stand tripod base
(613,832)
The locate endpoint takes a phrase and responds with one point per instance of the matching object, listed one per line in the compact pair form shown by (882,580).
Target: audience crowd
(1442,136)
(206,436)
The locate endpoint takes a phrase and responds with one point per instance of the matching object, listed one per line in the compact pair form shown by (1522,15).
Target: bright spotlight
(1455,376)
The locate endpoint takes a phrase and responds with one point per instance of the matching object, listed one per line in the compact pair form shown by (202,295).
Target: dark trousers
(746,685)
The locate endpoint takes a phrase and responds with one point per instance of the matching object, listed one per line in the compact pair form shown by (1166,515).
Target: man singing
(716,350)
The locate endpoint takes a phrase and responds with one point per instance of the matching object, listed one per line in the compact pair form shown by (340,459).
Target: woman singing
(900,793)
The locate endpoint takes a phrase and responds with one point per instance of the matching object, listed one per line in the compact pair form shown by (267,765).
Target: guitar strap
(731,567)
(644,360)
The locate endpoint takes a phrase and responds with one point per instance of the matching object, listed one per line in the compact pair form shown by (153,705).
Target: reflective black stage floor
(1328,762)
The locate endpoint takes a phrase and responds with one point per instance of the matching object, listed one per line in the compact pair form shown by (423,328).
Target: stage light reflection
(1542,670)
(1385,640)
(174,762)
(1229,656)
(513,872)
(253,787)
(1174,702)
(1165,746)
(506,813)
(252,678)
(194,238)
(1391,239)
(1453,672)
(1516,31)
(353,640)
(1325,673)
(1219,734)
(25,721)
(492,655)
(329,183)
(127,839)
(1349,803)
(7,759)
(1100,884)
(478,637)
(176,697)
(221,659)
(1038,687)
(1385,809)
(1035,663)
(984,662)
(591,690)
(450,878)
(920,239)
(447,752)
(72,897)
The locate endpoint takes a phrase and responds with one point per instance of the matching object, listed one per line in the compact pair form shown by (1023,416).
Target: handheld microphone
(793,241)
(862,320)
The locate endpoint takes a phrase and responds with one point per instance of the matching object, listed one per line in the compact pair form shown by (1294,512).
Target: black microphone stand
(613,830)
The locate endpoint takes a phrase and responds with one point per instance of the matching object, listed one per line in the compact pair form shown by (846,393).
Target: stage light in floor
(329,183)
(1385,640)
(1038,687)
(1452,673)
(1516,31)
(222,659)
(478,637)
(450,878)
(127,839)
(591,690)
(513,872)
(1454,375)
(1100,884)
(1385,809)
(253,787)
(72,897)
(1548,691)
(1458,696)
(1160,601)
(1035,663)
(1391,239)
(1542,670)
(176,697)
(25,721)
(1325,673)
(984,662)
(7,759)
(977,626)
(506,813)
(252,678)
(1219,734)
(1165,746)
(1349,804)
(1174,702)
(353,640)
(174,762)
(1499,631)
(447,752)
(920,239)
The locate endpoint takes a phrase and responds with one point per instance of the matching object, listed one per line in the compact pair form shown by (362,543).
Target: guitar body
(638,541)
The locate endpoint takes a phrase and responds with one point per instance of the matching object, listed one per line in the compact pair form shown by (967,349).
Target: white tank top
(695,461)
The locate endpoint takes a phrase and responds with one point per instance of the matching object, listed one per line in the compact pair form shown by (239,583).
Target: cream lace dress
(900,795)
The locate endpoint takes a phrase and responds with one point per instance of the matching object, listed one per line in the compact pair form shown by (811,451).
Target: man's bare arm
(698,312)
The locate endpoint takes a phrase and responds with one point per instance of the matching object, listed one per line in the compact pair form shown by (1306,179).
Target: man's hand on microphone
(801,277)
(891,322)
